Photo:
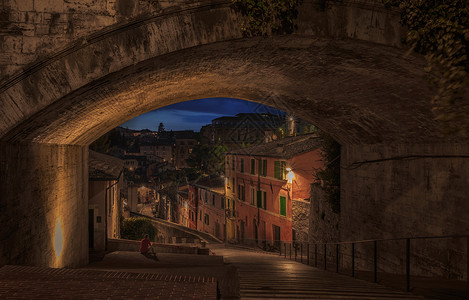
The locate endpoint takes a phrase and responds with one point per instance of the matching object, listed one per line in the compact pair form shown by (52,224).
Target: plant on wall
(439,29)
(329,176)
(266,17)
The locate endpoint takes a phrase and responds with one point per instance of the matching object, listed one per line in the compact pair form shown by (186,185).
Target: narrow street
(270,276)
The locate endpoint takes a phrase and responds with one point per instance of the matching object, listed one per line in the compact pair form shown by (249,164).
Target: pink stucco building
(261,183)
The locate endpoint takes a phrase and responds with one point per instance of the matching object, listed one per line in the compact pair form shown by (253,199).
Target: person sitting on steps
(146,248)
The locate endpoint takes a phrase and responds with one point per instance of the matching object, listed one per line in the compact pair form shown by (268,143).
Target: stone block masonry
(42,27)
(301,220)
(408,191)
(324,223)
(43,205)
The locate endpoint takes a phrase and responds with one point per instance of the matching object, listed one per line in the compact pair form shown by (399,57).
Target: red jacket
(144,245)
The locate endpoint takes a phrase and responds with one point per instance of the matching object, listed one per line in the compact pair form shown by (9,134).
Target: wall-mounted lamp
(290,175)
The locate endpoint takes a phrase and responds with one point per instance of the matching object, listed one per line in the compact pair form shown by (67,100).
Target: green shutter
(264,167)
(259,199)
(253,166)
(283,206)
(234,215)
(265,200)
(277,169)
(259,166)
(242,165)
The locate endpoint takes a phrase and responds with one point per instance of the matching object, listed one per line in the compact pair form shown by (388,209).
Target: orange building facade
(261,183)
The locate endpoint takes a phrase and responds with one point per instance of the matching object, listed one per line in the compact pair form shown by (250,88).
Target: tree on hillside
(161,128)
(207,160)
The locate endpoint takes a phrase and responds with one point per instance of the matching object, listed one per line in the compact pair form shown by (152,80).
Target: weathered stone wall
(394,191)
(36,29)
(301,220)
(367,20)
(323,223)
(42,186)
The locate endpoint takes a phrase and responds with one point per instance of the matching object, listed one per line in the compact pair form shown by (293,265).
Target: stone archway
(371,98)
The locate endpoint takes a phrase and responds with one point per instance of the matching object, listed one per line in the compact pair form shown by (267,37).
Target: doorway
(91,228)
(276,230)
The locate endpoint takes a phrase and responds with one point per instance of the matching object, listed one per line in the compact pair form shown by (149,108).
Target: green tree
(439,29)
(161,128)
(208,160)
(136,227)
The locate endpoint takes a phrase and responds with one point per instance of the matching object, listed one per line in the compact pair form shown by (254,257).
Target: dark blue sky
(194,114)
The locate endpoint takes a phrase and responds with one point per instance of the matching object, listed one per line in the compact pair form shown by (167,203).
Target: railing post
(337,258)
(301,252)
(290,251)
(353,259)
(407,265)
(325,256)
(307,254)
(316,255)
(285,248)
(280,248)
(375,258)
(296,248)
(467,262)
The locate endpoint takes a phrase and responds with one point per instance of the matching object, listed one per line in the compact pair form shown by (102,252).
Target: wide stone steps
(22,282)
(272,277)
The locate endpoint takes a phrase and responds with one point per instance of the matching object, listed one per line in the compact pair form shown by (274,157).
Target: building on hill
(241,130)
(262,182)
(104,203)
(206,206)
(134,162)
(183,206)
(184,143)
(160,150)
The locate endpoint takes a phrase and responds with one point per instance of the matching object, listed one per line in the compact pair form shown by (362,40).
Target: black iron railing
(332,252)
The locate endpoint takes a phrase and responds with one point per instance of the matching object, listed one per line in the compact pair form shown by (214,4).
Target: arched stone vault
(359,92)
(374,99)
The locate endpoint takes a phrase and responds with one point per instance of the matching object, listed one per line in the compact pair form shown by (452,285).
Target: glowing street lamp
(290,175)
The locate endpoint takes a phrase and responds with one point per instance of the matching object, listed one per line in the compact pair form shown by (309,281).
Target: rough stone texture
(69,88)
(394,191)
(35,29)
(301,220)
(323,222)
(367,20)
(384,96)
(40,184)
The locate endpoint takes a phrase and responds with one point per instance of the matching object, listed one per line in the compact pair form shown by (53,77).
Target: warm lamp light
(58,238)
(290,175)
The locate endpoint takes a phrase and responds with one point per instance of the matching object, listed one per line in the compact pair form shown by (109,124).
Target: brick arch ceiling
(359,92)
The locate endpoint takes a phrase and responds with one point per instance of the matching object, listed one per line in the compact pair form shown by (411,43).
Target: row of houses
(174,147)
(253,203)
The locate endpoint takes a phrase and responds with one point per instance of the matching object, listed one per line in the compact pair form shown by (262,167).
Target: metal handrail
(396,239)
(292,247)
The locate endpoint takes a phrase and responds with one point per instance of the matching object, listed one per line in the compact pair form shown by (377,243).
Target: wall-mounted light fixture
(290,175)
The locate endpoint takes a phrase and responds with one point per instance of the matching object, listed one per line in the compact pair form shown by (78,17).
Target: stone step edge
(9,269)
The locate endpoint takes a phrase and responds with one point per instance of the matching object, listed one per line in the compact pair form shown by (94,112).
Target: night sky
(195,114)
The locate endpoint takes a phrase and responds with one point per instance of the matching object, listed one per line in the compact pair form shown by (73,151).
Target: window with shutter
(283,206)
